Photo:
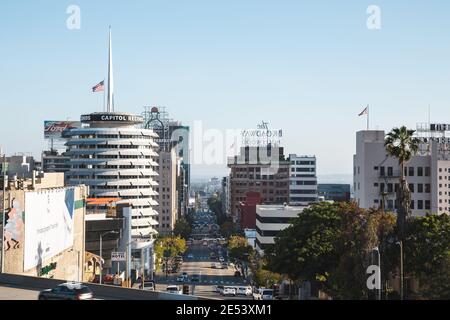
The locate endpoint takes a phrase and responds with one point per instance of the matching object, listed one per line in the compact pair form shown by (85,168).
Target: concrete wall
(100,291)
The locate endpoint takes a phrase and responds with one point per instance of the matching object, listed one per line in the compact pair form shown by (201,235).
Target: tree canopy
(331,243)
(182,228)
(239,248)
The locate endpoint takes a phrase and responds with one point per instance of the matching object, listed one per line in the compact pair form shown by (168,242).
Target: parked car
(213,265)
(67,291)
(244,291)
(174,289)
(229,291)
(221,259)
(263,294)
(190,256)
(224,265)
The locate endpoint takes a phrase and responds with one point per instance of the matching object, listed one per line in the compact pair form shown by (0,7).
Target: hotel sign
(261,136)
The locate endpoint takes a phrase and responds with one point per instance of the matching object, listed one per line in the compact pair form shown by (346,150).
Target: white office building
(376,176)
(270,220)
(302,180)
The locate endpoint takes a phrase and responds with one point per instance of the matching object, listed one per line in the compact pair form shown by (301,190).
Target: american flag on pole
(99,87)
(364,112)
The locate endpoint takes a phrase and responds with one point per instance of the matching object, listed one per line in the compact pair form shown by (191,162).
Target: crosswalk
(206,282)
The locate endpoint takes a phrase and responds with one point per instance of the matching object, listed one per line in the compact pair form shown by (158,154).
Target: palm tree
(400,143)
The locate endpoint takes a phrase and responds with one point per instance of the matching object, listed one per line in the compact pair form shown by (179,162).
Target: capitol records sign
(54,129)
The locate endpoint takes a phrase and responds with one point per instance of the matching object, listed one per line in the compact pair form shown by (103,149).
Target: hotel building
(376,176)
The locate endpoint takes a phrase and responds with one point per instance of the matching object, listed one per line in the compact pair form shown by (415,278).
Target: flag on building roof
(364,112)
(99,87)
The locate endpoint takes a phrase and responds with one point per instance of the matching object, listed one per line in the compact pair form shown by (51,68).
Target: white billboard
(48,224)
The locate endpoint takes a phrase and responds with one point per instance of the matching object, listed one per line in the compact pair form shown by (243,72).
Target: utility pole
(3,214)
(400,243)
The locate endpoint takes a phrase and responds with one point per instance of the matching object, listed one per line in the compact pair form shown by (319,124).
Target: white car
(174,289)
(244,291)
(190,256)
(180,278)
(229,291)
(221,259)
(263,294)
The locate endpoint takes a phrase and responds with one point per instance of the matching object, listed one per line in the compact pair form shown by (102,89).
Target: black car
(67,291)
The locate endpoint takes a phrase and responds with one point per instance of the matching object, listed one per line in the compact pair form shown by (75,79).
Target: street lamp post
(377,250)
(101,253)
(400,244)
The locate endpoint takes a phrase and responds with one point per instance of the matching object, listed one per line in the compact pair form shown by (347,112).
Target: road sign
(118,256)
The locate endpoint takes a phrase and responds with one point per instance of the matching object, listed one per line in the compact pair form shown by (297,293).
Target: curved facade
(115,158)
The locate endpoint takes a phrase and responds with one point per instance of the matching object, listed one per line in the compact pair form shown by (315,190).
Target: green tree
(182,228)
(215,205)
(331,244)
(227,229)
(239,249)
(169,247)
(427,255)
(401,144)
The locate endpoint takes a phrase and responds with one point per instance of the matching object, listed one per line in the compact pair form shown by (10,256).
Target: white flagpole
(368,118)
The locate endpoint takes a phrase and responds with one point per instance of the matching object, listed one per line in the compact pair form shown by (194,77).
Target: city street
(209,277)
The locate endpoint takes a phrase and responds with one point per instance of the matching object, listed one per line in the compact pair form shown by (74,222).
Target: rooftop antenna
(110,101)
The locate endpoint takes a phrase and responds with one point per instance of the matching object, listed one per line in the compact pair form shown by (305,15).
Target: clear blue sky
(308,67)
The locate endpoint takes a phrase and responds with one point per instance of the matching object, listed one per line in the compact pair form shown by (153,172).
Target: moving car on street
(67,291)
(229,291)
(174,289)
(244,291)
(263,294)
(181,278)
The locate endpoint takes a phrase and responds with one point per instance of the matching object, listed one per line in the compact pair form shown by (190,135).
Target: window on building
(420,204)
(382,172)
(390,187)
(427,204)
(390,171)
(375,168)
(411,187)
(412,204)
(391,204)
(375,185)
(427,188)
(420,171)
(427,171)
(420,187)
(411,171)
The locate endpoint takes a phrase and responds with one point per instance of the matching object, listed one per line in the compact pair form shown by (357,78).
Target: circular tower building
(112,155)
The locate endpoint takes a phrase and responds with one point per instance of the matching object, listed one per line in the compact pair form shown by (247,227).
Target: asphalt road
(13,293)
(209,277)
